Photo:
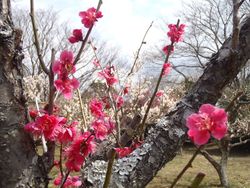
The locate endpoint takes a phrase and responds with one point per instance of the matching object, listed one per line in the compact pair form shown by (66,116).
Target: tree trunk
(18,159)
(166,138)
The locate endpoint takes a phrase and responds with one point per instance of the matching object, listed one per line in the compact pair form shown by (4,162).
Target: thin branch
(239,143)
(175,68)
(109,169)
(231,104)
(36,42)
(188,165)
(52,89)
(139,49)
(215,164)
(142,126)
(84,127)
(236,28)
(64,179)
(60,161)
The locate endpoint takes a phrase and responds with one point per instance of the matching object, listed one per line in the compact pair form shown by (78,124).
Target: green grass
(238,172)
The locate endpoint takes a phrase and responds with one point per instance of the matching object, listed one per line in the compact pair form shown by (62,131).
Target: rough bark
(18,159)
(166,138)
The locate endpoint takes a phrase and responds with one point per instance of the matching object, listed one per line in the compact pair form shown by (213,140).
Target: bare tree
(209,25)
(50,34)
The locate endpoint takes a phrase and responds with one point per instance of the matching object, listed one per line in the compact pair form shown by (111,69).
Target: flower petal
(207,109)
(193,121)
(219,131)
(199,137)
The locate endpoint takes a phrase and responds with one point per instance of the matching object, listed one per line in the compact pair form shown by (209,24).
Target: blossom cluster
(175,32)
(90,16)
(55,128)
(108,75)
(63,68)
(175,35)
(102,123)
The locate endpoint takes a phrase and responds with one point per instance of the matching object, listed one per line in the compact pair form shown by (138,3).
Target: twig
(142,127)
(236,29)
(45,149)
(60,161)
(52,88)
(139,49)
(109,169)
(231,104)
(215,164)
(36,42)
(189,164)
(84,127)
(64,179)
(239,143)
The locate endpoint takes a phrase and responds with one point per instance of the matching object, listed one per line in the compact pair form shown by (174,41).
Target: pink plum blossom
(166,69)
(100,129)
(71,182)
(76,37)
(110,125)
(175,33)
(63,68)
(96,108)
(108,75)
(67,133)
(210,120)
(65,65)
(159,93)
(76,153)
(168,49)
(106,102)
(90,16)
(126,90)
(96,63)
(67,86)
(123,152)
(47,125)
(118,101)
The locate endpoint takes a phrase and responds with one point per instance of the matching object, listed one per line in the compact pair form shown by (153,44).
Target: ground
(238,171)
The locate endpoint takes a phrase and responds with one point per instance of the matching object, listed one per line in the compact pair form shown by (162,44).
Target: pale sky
(124,22)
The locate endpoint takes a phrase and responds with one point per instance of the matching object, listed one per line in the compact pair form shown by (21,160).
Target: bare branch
(37,44)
